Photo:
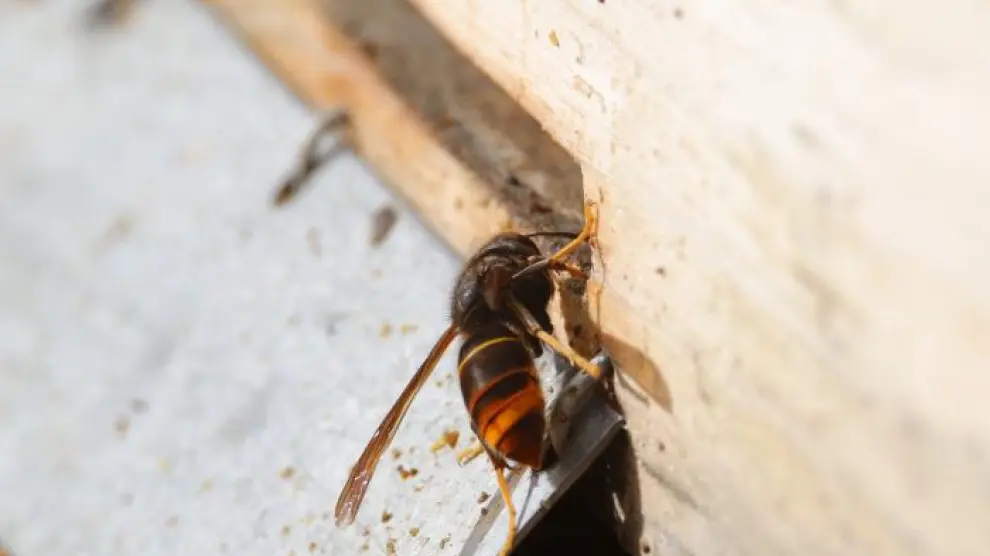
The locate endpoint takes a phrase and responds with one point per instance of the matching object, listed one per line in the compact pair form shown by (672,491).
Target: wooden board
(793,261)
(794,231)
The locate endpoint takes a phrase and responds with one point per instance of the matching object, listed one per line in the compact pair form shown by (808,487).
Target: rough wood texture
(792,233)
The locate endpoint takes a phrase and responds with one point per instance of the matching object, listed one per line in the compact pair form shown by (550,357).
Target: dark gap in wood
(599,515)
(475,120)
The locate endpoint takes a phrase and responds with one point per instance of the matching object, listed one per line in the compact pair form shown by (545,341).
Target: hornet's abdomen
(501,391)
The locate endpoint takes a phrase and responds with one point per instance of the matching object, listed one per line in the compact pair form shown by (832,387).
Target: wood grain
(793,255)
(793,231)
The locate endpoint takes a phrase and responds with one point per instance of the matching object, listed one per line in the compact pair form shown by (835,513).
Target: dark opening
(585,520)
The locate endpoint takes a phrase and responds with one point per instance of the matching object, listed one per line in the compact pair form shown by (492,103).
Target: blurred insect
(105,13)
(313,156)
(382,223)
(499,308)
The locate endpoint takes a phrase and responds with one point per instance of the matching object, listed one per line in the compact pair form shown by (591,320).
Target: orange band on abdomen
(495,421)
(528,370)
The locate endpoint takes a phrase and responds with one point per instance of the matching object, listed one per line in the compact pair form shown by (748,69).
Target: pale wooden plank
(793,231)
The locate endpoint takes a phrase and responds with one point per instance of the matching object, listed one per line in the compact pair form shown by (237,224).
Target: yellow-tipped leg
(570,354)
(503,487)
(468,454)
(535,329)
(587,233)
(556,260)
(574,271)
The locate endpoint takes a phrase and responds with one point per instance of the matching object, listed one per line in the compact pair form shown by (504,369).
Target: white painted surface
(141,261)
(170,345)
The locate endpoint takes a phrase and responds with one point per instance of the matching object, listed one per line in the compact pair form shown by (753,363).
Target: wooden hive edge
(790,229)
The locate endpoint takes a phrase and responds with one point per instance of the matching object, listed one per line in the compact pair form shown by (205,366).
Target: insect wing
(357,483)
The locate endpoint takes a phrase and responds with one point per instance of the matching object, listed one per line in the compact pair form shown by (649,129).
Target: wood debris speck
(107,13)
(407,473)
(313,241)
(382,223)
(122,425)
(449,440)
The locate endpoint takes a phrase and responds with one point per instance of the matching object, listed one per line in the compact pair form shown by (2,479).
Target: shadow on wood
(468,114)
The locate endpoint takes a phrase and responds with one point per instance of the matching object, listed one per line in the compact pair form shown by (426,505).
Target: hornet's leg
(574,271)
(587,234)
(468,454)
(535,329)
(503,487)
